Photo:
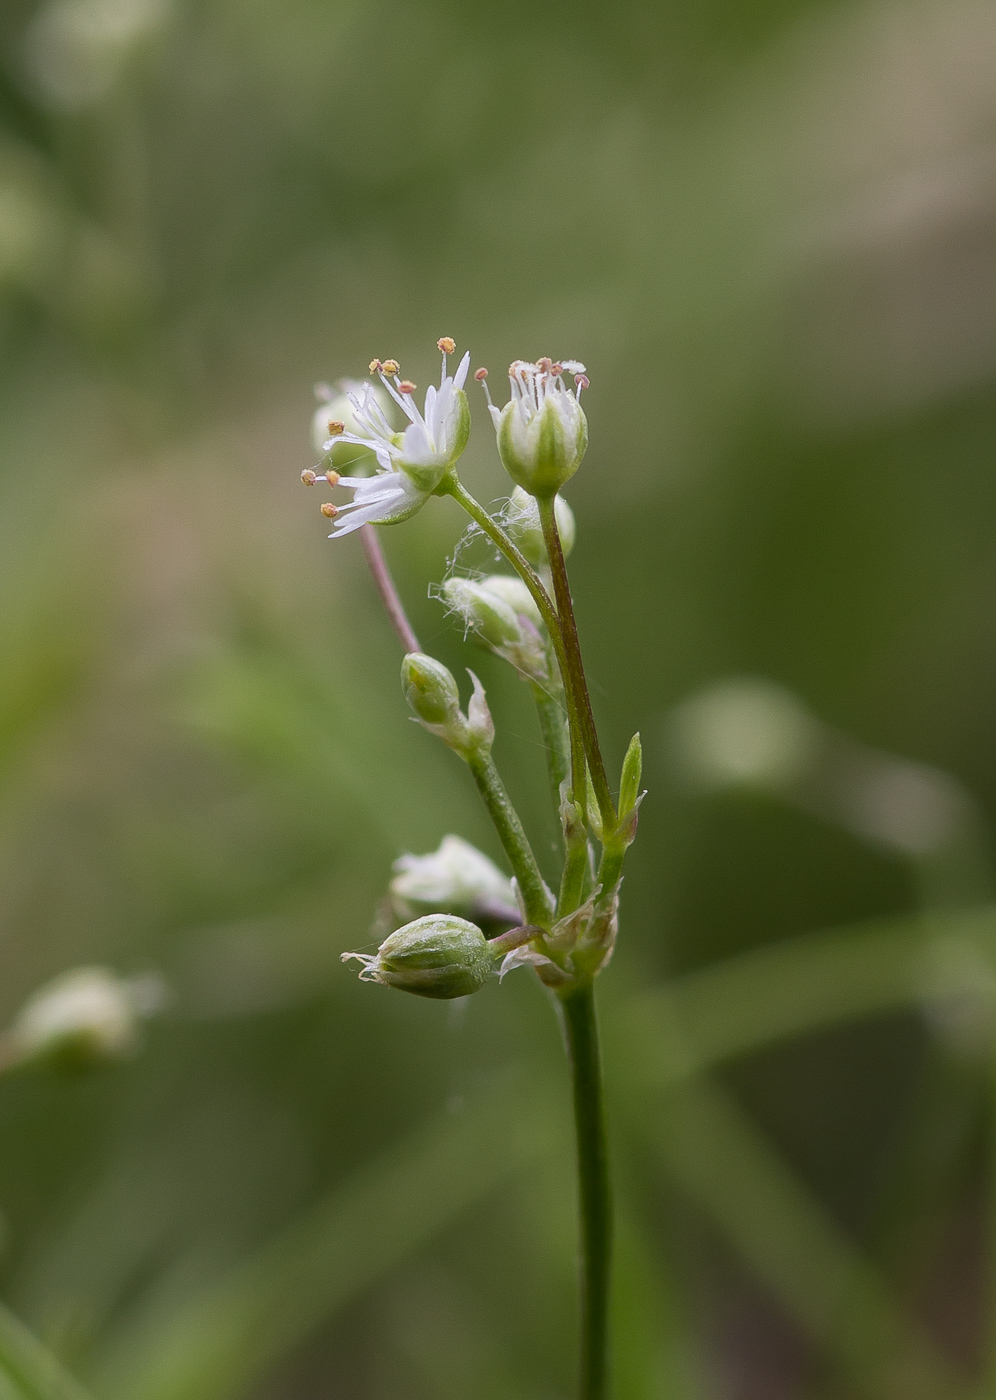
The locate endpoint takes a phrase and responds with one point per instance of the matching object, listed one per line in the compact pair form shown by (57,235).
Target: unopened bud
(430,689)
(85,1017)
(523,523)
(488,614)
(437,956)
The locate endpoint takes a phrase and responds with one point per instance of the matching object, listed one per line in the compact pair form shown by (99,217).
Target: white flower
(454,878)
(542,431)
(88,1014)
(411,463)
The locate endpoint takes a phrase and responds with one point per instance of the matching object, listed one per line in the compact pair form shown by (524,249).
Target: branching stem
(385,587)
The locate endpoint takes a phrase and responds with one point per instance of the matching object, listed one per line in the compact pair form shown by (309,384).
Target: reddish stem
(385,587)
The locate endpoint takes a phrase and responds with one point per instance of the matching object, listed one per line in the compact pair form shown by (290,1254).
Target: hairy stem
(455,488)
(575,665)
(594,1196)
(385,587)
(535,895)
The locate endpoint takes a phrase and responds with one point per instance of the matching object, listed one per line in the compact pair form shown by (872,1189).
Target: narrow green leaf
(28,1370)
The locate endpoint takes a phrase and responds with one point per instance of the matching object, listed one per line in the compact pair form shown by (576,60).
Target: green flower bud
(523,523)
(432,693)
(542,430)
(437,956)
(511,589)
(430,689)
(488,614)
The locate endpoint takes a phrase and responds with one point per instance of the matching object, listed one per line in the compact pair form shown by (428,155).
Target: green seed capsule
(438,956)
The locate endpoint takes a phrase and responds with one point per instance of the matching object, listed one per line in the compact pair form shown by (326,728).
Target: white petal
(461,375)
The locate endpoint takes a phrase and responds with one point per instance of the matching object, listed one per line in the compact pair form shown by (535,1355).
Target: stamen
(581,381)
(335,427)
(329,510)
(390,367)
(446,344)
(332,477)
(309,477)
(545,364)
(481,375)
(374,366)
(557,369)
(406,386)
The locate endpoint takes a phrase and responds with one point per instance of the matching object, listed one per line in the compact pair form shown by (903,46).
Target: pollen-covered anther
(446,344)
(390,367)
(332,477)
(582,381)
(557,370)
(480,375)
(407,387)
(329,510)
(336,426)
(373,366)
(546,364)
(309,477)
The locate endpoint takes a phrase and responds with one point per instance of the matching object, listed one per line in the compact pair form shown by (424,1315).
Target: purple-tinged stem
(385,587)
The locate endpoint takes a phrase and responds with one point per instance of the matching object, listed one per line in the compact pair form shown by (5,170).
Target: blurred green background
(768,227)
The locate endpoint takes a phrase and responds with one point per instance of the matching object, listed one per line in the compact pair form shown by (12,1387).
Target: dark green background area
(768,228)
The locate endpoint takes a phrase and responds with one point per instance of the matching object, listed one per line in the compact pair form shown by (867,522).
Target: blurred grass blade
(794,988)
(724,1164)
(28,1370)
(223,1340)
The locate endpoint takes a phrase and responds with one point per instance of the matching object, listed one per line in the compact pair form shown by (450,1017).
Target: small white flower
(410,463)
(88,1014)
(542,430)
(455,877)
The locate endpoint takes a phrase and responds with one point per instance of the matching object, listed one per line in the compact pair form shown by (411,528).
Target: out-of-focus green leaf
(226,1337)
(28,1370)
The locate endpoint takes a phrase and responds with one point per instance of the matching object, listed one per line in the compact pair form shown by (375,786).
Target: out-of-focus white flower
(542,430)
(74,50)
(457,878)
(83,1017)
(745,731)
(410,463)
(336,406)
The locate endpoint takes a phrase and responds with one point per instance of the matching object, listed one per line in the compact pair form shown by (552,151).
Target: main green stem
(594,1194)
(577,683)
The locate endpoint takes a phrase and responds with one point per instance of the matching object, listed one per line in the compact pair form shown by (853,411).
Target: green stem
(594,1197)
(535,895)
(556,741)
(452,486)
(575,666)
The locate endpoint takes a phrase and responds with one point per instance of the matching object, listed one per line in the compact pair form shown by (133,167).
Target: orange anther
(390,366)
(373,366)
(407,387)
(309,477)
(336,427)
(329,510)
(447,344)
(480,374)
(332,477)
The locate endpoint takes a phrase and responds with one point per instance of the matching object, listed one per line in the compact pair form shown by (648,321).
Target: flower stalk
(528,622)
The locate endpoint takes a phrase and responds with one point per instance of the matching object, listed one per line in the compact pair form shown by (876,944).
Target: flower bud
(430,689)
(455,879)
(511,589)
(523,523)
(488,614)
(437,956)
(432,693)
(512,635)
(83,1018)
(542,430)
